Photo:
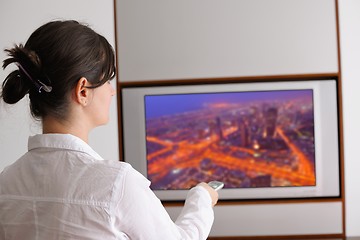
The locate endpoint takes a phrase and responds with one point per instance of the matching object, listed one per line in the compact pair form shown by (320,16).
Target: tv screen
(263,140)
(244,139)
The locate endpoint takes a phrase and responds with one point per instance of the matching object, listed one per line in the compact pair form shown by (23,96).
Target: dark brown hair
(57,55)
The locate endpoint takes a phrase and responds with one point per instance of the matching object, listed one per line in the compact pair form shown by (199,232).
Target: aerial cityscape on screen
(244,139)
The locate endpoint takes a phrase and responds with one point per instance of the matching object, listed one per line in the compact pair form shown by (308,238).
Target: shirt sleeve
(197,216)
(141,215)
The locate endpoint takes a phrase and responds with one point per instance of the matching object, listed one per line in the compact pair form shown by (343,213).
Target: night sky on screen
(162,105)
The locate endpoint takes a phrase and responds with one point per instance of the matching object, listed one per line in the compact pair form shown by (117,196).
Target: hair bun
(19,82)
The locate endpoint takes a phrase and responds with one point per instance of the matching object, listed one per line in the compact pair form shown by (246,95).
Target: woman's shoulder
(111,166)
(117,168)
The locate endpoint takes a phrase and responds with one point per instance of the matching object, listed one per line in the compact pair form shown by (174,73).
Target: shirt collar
(61,141)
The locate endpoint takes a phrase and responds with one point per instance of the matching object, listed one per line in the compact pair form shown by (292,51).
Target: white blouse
(62,189)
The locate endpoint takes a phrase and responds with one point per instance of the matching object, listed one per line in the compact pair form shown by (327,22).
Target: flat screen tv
(264,140)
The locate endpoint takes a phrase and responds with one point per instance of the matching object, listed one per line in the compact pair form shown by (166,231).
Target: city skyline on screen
(245,139)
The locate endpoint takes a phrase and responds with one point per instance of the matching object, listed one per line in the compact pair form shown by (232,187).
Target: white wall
(209,38)
(18,19)
(350,60)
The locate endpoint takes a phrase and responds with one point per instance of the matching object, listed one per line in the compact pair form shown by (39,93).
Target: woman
(61,188)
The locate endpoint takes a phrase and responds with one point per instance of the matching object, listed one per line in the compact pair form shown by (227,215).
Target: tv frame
(327,132)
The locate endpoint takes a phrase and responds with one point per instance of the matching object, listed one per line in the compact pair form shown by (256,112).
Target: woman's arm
(141,215)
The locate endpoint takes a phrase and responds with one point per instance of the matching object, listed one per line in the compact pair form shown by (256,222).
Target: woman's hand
(213,194)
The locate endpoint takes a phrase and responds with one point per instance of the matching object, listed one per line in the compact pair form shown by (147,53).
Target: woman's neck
(52,125)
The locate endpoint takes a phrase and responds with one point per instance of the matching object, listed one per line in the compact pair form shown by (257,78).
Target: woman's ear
(82,93)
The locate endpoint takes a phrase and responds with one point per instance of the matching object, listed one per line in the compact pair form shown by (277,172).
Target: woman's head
(55,57)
